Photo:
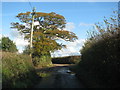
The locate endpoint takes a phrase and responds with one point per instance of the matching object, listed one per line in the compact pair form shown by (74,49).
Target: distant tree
(7,45)
(26,50)
(50,28)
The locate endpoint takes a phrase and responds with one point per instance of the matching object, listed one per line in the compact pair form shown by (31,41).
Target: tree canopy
(50,28)
(7,45)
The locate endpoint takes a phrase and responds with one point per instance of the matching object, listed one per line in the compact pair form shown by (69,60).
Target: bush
(17,71)
(7,45)
(100,55)
(42,61)
(101,61)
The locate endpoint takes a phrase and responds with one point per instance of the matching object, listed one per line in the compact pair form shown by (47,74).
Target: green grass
(44,74)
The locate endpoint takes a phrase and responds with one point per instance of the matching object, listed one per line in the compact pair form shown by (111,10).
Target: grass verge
(17,71)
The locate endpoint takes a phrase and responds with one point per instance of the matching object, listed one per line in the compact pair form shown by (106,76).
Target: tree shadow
(50,69)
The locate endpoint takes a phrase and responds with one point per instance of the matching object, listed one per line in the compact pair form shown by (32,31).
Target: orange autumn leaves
(50,28)
(46,41)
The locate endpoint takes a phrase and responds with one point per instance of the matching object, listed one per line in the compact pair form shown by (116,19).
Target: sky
(60,0)
(80,18)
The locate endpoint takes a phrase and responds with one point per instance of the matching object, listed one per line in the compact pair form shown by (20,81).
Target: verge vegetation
(100,57)
(17,71)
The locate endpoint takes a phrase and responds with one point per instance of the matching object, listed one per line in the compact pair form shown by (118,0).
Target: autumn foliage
(50,28)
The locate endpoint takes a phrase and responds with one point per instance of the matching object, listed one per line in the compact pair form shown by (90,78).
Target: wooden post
(31,34)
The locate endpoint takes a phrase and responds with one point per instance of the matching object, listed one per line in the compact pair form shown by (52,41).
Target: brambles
(17,71)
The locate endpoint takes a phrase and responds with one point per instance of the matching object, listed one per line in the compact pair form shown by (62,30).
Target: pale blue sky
(60,0)
(76,13)
(80,16)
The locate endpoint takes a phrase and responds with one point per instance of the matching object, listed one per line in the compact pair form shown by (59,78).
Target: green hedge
(100,62)
(17,71)
(66,60)
(42,61)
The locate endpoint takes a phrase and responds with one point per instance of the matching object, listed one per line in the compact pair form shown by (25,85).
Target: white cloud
(73,48)
(0,36)
(5,35)
(20,42)
(86,24)
(18,39)
(20,49)
(70,26)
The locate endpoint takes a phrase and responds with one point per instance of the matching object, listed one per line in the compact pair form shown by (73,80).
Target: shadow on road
(61,77)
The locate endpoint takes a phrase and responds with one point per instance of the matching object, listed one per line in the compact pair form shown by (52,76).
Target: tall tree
(50,28)
(7,45)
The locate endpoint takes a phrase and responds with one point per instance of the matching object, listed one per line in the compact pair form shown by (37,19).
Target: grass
(43,74)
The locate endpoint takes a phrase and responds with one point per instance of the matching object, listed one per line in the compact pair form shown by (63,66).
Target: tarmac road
(61,77)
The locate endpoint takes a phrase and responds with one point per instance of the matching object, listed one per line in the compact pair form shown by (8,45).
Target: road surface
(60,77)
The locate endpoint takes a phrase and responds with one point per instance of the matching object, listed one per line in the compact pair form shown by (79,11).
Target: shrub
(100,55)
(100,61)
(17,71)
(7,45)
(42,61)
